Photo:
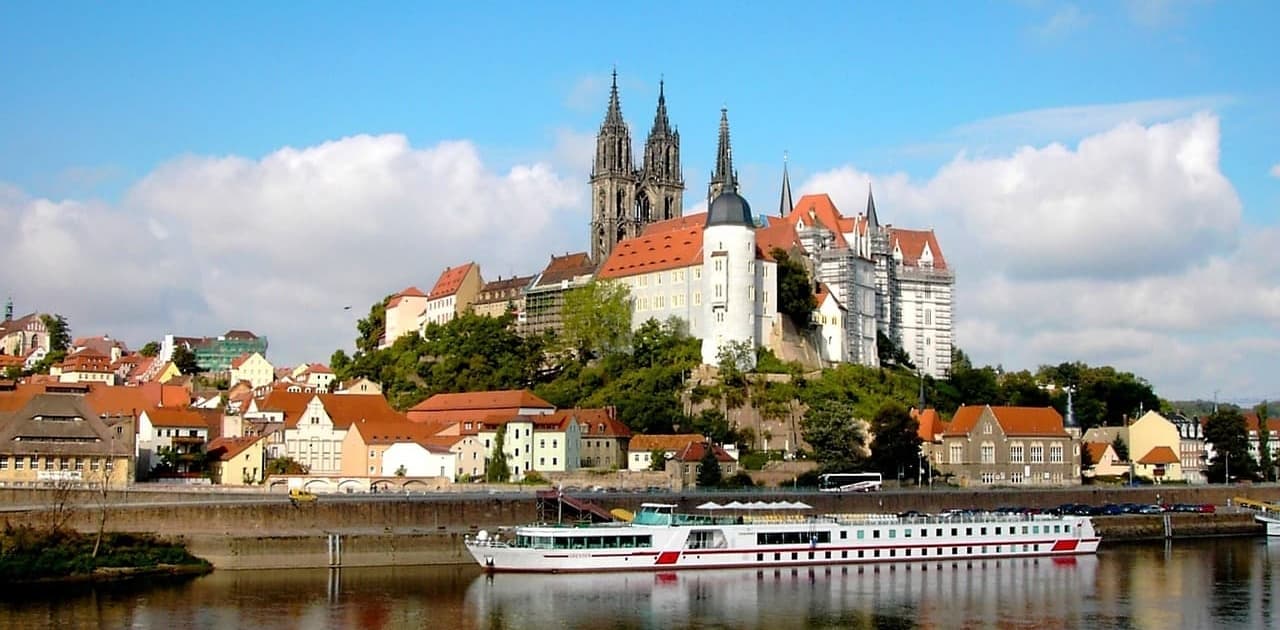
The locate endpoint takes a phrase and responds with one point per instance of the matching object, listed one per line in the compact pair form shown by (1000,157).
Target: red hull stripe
(668,557)
(1066,544)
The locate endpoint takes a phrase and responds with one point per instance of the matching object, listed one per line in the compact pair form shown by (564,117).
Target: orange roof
(319,368)
(8,360)
(239,361)
(226,448)
(670,244)
(596,422)
(118,400)
(1044,421)
(675,442)
(86,360)
(408,292)
(167,417)
(777,234)
(483,401)
(1251,422)
(823,293)
(165,395)
(342,409)
(450,281)
(819,209)
(930,423)
(695,450)
(912,243)
(1159,455)
(566,267)
(1097,450)
(384,431)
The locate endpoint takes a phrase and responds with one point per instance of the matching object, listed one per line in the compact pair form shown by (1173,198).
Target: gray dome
(730,209)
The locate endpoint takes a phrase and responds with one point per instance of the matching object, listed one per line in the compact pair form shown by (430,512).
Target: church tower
(723,179)
(613,182)
(661,180)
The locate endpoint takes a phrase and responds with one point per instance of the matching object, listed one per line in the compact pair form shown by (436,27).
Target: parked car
(1150,509)
(298,495)
(1206,508)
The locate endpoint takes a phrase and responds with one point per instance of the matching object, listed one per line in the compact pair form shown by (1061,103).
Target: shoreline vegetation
(31,555)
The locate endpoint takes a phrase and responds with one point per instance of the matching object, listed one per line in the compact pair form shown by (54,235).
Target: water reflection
(1207,584)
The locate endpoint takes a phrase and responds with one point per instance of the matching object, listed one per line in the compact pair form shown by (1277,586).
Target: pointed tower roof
(661,125)
(785,206)
(724,173)
(613,116)
(872,220)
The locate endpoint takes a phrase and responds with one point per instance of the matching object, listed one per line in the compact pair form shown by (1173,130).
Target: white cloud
(1126,249)
(279,245)
(1275,170)
(1067,19)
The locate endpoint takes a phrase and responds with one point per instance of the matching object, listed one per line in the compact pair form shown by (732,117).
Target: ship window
(955,531)
(968,531)
(939,551)
(968,551)
(875,533)
(759,557)
(893,533)
(1035,529)
(860,553)
(893,553)
(828,555)
(924,532)
(777,556)
(1024,529)
(861,534)
(997,531)
(908,552)
(983,531)
(906,533)
(795,556)
(844,534)
(937,532)
(844,555)
(876,553)
(811,555)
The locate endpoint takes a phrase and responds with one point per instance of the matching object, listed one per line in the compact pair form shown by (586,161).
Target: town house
(985,445)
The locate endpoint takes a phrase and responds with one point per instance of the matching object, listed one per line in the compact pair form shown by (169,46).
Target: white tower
(728,276)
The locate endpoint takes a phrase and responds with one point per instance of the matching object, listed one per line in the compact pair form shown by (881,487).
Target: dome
(730,209)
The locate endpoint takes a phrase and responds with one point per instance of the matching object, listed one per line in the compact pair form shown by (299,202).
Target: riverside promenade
(253,530)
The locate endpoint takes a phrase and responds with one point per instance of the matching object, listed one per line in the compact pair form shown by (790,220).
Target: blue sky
(102,104)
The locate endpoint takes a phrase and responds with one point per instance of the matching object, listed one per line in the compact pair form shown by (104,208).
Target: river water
(1220,583)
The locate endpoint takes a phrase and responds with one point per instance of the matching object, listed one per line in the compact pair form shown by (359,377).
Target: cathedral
(624,198)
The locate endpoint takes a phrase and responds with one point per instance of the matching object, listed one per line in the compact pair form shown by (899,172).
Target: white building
(403,312)
(418,459)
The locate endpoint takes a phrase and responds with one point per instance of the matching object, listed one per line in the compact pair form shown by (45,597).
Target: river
(1215,583)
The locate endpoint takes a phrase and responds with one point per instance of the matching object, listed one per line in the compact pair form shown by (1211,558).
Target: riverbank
(439,548)
(35,556)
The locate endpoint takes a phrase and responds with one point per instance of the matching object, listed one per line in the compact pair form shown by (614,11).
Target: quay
(263,530)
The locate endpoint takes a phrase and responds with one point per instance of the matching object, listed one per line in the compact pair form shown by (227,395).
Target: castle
(717,271)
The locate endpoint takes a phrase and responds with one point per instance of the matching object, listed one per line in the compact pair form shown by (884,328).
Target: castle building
(625,199)
(714,271)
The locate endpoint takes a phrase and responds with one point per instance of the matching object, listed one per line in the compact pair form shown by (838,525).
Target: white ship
(660,539)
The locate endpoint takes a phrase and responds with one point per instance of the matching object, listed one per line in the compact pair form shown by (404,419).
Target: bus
(850,482)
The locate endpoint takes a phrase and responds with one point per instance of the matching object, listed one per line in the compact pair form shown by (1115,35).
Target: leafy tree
(895,449)
(285,466)
(1265,463)
(496,468)
(891,354)
(1023,389)
(373,327)
(1086,462)
(969,385)
(402,471)
(709,473)
(837,438)
(740,479)
(711,423)
(597,318)
(339,362)
(1121,448)
(795,290)
(59,332)
(13,373)
(151,349)
(185,360)
(1227,431)
(657,459)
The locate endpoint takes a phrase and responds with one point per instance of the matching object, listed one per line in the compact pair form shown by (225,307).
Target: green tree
(1265,463)
(13,373)
(496,468)
(402,471)
(285,466)
(185,360)
(1227,432)
(373,327)
(151,349)
(1121,448)
(597,319)
(657,459)
(795,290)
(895,449)
(891,354)
(709,473)
(59,332)
(837,438)
(1086,462)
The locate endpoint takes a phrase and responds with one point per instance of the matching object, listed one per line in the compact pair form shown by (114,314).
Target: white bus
(850,482)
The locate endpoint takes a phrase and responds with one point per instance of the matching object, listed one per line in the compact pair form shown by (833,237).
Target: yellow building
(55,437)
(240,461)
(1153,447)
(253,368)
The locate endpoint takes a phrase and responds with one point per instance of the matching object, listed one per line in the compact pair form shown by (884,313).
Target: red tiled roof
(566,267)
(239,361)
(450,281)
(318,368)
(167,417)
(86,360)
(912,243)
(593,419)
(777,234)
(8,360)
(695,450)
(396,431)
(342,409)
(490,400)
(676,442)
(103,344)
(225,448)
(671,244)
(1159,455)
(820,209)
(930,423)
(1097,450)
(1045,421)
(409,292)
(1251,422)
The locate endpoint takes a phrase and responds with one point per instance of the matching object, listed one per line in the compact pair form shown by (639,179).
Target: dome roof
(730,209)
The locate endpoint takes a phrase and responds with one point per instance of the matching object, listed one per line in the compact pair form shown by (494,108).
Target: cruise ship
(775,535)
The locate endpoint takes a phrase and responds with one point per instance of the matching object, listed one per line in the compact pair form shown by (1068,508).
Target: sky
(1104,178)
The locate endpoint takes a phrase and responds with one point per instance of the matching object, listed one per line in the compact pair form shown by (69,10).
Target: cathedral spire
(614,115)
(872,220)
(785,206)
(661,126)
(724,179)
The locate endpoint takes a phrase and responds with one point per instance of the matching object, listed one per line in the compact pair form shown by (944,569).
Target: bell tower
(661,180)
(613,182)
